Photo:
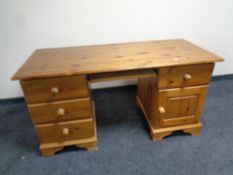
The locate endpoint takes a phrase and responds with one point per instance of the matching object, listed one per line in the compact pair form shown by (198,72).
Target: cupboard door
(181,106)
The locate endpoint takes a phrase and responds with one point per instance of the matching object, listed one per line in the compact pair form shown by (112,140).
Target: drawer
(64,131)
(181,106)
(61,110)
(181,76)
(52,89)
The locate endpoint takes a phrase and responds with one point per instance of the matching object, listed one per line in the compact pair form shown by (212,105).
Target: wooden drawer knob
(187,77)
(162,110)
(55,90)
(61,111)
(65,131)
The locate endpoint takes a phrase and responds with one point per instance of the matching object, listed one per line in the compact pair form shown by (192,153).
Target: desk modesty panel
(173,78)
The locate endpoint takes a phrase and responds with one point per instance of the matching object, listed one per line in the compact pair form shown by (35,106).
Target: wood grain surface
(170,77)
(71,110)
(57,62)
(182,105)
(54,132)
(40,91)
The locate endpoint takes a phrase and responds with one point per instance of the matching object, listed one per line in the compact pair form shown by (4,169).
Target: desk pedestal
(174,100)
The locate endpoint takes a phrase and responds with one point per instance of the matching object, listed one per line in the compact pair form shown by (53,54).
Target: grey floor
(124,143)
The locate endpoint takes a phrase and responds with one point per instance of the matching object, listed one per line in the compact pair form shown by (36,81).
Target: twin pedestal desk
(173,78)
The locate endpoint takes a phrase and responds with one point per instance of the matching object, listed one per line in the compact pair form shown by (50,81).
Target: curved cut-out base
(159,134)
(50,151)
(90,146)
(193,131)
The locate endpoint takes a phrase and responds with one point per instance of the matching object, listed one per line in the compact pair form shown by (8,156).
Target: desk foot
(47,152)
(92,146)
(159,136)
(193,131)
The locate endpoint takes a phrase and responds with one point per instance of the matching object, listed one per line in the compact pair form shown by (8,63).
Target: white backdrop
(29,24)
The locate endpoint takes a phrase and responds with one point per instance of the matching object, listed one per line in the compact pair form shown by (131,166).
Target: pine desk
(173,78)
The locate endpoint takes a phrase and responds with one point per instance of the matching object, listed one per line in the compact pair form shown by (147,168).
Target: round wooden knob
(162,110)
(187,77)
(61,111)
(65,131)
(55,90)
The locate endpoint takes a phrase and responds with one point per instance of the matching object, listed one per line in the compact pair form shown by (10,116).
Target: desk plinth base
(50,149)
(159,133)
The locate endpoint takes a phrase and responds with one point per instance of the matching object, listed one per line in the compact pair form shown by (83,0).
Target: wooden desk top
(112,57)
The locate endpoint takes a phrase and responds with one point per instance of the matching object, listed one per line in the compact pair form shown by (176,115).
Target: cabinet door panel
(181,106)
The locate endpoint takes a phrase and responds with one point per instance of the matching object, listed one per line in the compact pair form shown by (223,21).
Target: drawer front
(181,106)
(61,111)
(65,131)
(51,89)
(181,76)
